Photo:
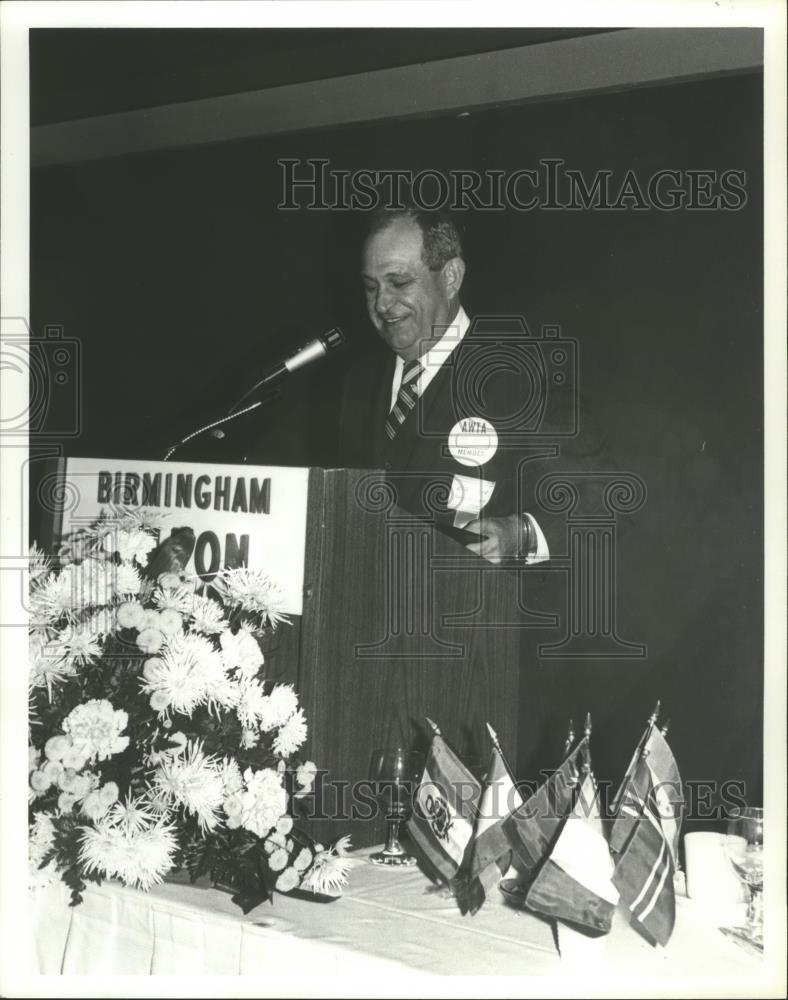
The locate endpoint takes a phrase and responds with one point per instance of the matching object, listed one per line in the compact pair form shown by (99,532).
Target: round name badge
(473,441)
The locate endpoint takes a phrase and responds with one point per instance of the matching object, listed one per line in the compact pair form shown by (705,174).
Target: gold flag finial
(493,736)
(570,737)
(432,725)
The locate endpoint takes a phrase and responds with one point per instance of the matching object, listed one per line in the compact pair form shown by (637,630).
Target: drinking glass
(394,772)
(744,850)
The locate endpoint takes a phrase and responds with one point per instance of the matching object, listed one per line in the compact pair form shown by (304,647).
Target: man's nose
(383,301)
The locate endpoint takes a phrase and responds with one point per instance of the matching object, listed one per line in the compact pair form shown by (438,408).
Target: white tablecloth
(388,924)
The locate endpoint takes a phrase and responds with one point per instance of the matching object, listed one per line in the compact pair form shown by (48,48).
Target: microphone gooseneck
(310,352)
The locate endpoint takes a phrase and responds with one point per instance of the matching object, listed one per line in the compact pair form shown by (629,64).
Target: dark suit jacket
(542,425)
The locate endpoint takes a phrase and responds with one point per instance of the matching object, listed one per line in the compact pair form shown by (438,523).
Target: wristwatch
(529,540)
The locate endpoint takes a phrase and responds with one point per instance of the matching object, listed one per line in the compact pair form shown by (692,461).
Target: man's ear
(453,273)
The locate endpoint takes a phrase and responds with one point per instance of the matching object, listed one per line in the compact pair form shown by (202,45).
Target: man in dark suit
(464,417)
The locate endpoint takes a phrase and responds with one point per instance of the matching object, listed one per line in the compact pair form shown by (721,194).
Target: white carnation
(95,729)
(242,651)
(264,800)
(278,707)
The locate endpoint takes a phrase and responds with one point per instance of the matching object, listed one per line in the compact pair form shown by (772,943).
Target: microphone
(313,351)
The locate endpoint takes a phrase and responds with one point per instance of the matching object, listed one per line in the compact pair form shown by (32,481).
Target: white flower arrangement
(156,742)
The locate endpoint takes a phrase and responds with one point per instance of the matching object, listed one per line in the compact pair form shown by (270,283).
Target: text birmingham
(551,185)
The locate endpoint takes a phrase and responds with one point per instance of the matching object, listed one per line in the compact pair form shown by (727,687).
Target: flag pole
(433,726)
(636,756)
(586,744)
(497,744)
(665,728)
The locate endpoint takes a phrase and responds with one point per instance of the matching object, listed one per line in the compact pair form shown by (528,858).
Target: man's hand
(504,537)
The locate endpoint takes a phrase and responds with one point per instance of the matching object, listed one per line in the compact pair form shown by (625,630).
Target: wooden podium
(398,621)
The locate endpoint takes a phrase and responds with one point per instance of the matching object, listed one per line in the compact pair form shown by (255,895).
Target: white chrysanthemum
(242,651)
(170,622)
(278,859)
(251,703)
(254,591)
(249,739)
(330,870)
(48,663)
(42,838)
(264,800)
(126,579)
(39,564)
(194,781)
(79,643)
(53,599)
(291,736)
(139,518)
(303,859)
(131,545)
(207,615)
(133,814)
(279,706)
(95,729)
(227,693)
(139,857)
(232,780)
(174,599)
(188,672)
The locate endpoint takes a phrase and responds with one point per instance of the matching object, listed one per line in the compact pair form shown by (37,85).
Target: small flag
(575,881)
(533,826)
(490,848)
(645,838)
(444,809)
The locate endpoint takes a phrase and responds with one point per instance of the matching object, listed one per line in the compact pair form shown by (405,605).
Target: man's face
(405,300)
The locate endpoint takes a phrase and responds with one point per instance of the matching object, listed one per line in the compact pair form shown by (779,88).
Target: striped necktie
(406,397)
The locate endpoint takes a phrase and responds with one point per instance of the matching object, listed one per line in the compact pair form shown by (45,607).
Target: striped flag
(490,848)
(645,838)
(575,882)
(533,826)
(445,807)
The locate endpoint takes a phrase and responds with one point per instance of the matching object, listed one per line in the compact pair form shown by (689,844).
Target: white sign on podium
(243,515)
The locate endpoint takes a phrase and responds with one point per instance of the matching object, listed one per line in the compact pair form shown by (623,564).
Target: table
(390,923)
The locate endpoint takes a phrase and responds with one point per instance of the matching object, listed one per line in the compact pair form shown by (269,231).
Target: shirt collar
(439,352)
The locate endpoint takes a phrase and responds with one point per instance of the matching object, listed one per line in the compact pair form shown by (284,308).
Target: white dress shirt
(431,363)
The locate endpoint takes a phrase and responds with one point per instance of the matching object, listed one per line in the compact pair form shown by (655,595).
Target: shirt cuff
(542,553)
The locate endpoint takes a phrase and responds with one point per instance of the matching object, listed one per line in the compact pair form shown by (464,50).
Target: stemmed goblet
(394,773)
(744,850)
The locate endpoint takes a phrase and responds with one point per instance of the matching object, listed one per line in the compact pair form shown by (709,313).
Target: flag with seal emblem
(445,806)
(645,836)
(574,883)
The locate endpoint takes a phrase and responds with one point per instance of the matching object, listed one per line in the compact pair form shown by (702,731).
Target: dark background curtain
(180,278)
